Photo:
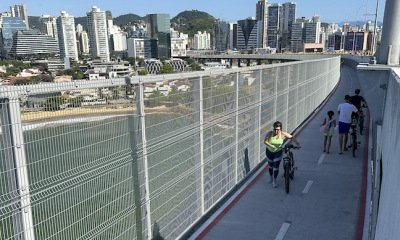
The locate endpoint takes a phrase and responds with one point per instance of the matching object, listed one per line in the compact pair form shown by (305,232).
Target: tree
(46,78)
(53,103)
(250,51)
(143,72)
(166,69)
(175,95)
(156,98)
(131,60)
(97,57)
(77,76)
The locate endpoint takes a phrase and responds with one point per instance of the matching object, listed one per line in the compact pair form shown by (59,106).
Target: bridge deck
(329,210)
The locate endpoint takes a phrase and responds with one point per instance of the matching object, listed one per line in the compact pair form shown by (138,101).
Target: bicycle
(361,120)
(353,134)
(288,165)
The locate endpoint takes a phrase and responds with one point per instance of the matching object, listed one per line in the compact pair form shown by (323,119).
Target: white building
(97,30)
(316,18)
(118,42)
(66,36)
(79,28)
(48,26)
(139,48)
(83,41)
(261,15)
(202,41)
(20,11)
(178,47)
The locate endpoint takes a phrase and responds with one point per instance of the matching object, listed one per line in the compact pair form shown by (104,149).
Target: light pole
(374,37)
(355,23)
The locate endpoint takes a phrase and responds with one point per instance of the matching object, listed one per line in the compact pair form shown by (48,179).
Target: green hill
(190,22)
(123,19)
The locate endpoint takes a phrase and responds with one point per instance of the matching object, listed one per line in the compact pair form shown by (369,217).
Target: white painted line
(321,159)
(308,186)
(283,231)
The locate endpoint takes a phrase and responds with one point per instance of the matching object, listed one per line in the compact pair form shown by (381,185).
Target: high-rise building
(202,41)
(139,48)
(313,31)
(83,42)
(221,35)
(66,36)
(249,34)
(316,18)
(20,11)
(98,37)
(274,25)
(288,18)
(369,27)
(233,36)
(30,42)
(178,47)
(158,29)
(48,26)
(109,15)
(3,15)
(79,28)
(262,15)
(10,26)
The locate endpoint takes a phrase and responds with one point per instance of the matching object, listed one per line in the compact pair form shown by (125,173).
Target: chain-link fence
(142,158)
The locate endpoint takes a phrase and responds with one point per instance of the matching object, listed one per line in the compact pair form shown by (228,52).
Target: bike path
(328,210)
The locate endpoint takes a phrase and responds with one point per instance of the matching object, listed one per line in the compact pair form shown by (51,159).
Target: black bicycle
(354,142)
(361,120)
(288,165)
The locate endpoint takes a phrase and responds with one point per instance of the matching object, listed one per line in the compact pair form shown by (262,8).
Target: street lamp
(355,23)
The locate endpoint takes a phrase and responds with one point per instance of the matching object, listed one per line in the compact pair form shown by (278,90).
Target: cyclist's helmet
(357,91)
(278,124)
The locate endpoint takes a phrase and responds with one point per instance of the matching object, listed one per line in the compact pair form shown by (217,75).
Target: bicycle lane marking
(321,159)
(308,186)
(282,232)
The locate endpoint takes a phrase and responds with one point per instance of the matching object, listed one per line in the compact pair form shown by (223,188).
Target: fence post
(258,114)
(142,139)
(236,94)
(287,75)
(199,152)
(15,161)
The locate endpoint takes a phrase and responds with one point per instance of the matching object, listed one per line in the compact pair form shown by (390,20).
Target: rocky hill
(190,22)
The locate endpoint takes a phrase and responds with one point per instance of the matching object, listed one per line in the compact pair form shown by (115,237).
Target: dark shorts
(344,127)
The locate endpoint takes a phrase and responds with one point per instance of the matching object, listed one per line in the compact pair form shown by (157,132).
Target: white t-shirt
(346,109)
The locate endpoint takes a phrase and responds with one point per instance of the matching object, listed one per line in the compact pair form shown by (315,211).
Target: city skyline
(232,13)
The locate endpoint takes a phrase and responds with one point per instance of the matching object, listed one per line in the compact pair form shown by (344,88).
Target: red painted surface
(226,210)
(364,185)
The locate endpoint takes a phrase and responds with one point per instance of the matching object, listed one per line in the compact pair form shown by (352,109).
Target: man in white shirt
(345,110)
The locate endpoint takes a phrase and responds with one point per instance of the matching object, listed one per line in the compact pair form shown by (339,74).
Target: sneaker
(274,184)
(270,180)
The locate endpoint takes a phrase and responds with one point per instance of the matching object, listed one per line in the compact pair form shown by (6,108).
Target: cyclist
(356,101)
(345,111)
(274,141)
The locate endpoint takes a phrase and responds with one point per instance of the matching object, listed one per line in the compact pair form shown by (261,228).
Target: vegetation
(186,17)
(155,99)
(166,69)
(195,66)
(127,18)
(143,72)
(32,80)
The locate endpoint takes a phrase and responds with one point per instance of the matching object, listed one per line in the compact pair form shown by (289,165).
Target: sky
(232,10)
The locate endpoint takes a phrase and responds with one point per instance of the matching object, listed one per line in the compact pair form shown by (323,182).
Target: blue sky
(232,10)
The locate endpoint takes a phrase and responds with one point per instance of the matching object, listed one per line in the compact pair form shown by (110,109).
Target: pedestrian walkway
(324,198)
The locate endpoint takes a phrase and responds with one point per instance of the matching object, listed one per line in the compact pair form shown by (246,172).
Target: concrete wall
(388,224)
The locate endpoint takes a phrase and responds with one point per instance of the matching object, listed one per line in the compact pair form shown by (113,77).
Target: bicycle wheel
(354,145)
(292,167)
(361,123)
(287,177)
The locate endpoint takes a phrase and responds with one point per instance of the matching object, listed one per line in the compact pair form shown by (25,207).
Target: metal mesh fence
(143,159)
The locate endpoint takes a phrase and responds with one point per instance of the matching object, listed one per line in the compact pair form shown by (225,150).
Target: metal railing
(142,157)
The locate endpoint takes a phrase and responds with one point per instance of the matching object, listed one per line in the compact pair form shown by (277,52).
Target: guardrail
(152,161)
